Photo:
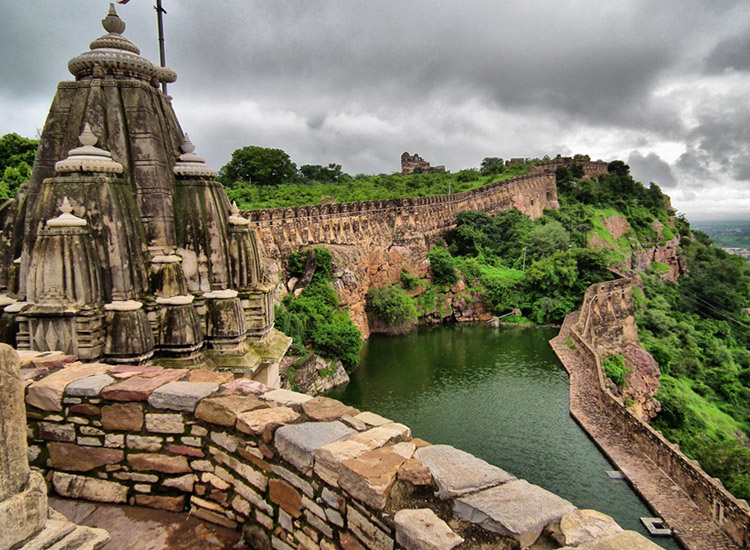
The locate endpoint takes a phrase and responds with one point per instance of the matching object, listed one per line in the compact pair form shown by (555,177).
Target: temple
(123,247)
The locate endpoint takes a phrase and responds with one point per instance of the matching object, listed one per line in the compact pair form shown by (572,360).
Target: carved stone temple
(123,247)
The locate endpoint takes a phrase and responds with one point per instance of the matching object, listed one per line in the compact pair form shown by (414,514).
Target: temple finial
(234,209)
(187,145)
(112,23)
(65,207)
(87,137)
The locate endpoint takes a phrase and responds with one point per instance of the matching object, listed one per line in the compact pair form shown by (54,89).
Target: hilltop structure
(411,164)
(123,247)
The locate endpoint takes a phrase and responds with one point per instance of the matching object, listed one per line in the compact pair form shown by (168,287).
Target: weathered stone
(313,507)
(371,419)
(252,497)
(122,372)
(627,540)
(286,398)
(213,517)
(89,386)
(171,504)
(286,496)
(123,416)
(241,506)
(85,409)
(422,529)
(255,422)
(181,396)
(57,432)
(183,483)
(369,477)
(354,423)
(244,386)
(294,479)
(139,478)
(348,542)
(414,472)
(305,541)
(278,544)
(332,499)
(208,477)
(334,517)
(224,440)
(211,376)
(264,520)
(89,430)
(65,456)
(142,488)
(52,359)
(202,466)
(297,443)
(254,456)
(457,472)
(516,509)
(319,524)
(582,526)
(224,410)
(369,534)
(192,441)
(186,451)
(139,388)
(87,488)
(159,463)
(255,478)
(47,393)
(114,440)
(143,442)
(285,521)
(325,409)
(168,423)
(328,458)
(89,441)
(198,431)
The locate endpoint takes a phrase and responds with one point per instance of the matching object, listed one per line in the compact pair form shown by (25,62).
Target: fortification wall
(707,493)
(291,471)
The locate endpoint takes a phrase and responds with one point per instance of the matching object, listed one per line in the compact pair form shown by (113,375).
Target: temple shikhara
(123,248)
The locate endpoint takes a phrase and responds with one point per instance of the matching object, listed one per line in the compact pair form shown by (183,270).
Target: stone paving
(694,530)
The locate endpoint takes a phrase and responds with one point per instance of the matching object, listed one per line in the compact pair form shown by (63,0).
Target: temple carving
(123,247)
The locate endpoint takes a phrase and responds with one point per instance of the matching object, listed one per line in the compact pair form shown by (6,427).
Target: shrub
(391,306)
(615,369)
(443,266)
(339,339)
(408,281)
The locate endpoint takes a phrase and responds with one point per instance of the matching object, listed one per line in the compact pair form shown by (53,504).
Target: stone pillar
(23,494)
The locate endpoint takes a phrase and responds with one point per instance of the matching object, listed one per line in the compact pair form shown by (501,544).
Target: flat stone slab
(88,488)
(47,393)
(90,386)
(286,397)
(457,472)
(224,410)
(139,388)
(372,419)
(297,443)
(582,526)
(255,422)
(121,372)
(627,540)
(181,396)
(422,529)
(64,456)
(369,477)
(516,509)
(244,386)
(211,376)
(325,409)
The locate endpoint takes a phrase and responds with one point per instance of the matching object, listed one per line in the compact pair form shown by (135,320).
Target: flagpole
(162,58)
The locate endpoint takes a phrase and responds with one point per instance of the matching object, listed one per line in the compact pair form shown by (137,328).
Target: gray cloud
(359,82)
(651,168)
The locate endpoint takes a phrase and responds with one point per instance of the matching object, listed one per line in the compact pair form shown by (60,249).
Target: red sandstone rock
(159,463)
(224,410)
(415,472)
(186,451)
(210,376)
(286,496)
(85,409)
(348,542)
(123,416)
(325,409)
(139,388)
(171,504)
(65,456)
(122,372)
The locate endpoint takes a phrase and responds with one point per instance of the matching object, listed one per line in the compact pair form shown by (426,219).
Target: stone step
(64,535)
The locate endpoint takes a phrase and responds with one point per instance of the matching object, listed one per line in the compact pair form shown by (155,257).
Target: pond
(500,394)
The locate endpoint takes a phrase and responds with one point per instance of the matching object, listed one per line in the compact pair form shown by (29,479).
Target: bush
(339,339)
(409,282)
(615,369)
(443,266)
(391,306)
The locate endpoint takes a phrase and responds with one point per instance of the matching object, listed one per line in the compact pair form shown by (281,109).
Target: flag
(123,1)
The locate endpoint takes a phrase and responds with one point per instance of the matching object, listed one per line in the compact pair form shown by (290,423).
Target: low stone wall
(708,494)
(291,471)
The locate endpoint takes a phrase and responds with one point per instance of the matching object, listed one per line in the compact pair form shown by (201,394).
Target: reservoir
(500,394)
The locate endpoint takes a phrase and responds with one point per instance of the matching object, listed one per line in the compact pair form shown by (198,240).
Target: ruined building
(124,247)
(414,163)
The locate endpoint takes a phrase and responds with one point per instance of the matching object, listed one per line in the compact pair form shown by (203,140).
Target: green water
(501,395)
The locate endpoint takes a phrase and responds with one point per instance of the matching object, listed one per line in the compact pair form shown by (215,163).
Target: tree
(492,166)
(258,166)
(618,167)
(312,173)
(16,158)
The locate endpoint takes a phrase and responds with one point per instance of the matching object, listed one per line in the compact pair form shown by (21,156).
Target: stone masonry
(288,470)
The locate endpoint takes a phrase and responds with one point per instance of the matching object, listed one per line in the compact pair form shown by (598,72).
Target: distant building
(414,163)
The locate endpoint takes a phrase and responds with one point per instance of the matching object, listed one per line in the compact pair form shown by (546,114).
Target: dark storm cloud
(651,168)
(731,53)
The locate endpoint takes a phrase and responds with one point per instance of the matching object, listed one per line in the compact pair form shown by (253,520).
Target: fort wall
(604,308)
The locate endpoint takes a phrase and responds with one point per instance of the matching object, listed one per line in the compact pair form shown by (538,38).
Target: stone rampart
(707,493)
(291,471)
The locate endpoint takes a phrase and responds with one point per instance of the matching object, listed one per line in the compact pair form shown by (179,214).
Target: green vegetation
(259,177)
(312,319)
(699,334)
(16,159)
(443,267)
(616,370)
(390,306)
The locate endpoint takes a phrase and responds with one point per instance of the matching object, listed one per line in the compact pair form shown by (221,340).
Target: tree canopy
(16,159)
(258,166)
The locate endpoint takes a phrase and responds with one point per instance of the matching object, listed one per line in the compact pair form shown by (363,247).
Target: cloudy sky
(661,84)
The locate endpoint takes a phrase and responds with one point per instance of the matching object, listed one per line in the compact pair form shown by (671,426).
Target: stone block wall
(291,471)
(707,493)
